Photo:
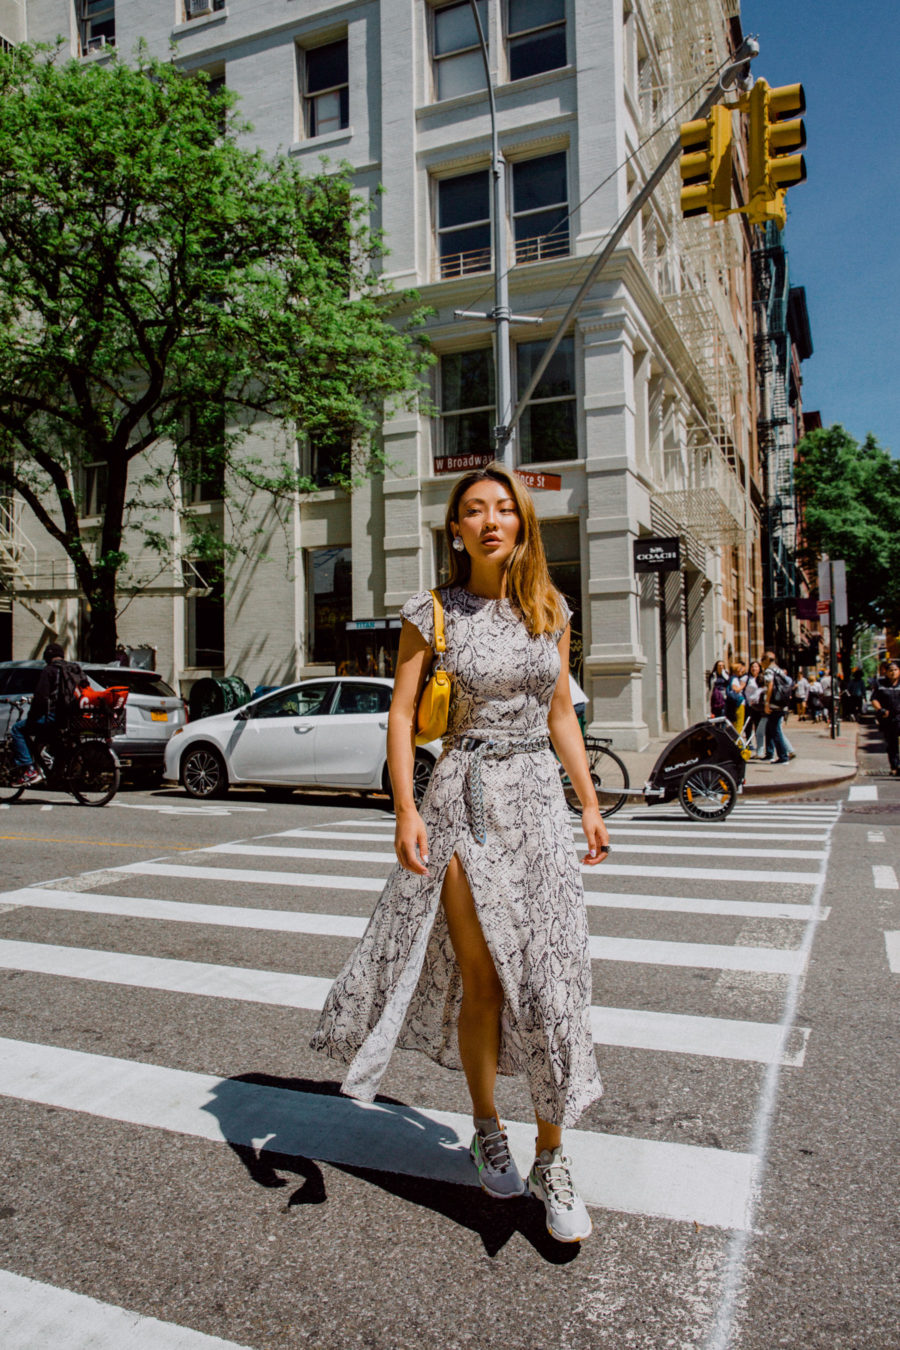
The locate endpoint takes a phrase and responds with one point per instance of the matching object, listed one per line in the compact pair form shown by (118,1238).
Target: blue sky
(842,224)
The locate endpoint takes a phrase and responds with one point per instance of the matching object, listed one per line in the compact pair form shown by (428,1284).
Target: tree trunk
(100,639)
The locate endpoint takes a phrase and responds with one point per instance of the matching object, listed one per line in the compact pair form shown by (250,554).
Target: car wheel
(203,773)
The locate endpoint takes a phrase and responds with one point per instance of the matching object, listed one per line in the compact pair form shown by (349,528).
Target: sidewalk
(821,762)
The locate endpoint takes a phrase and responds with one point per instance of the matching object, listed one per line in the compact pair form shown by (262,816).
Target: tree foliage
(849,495)
(163,288)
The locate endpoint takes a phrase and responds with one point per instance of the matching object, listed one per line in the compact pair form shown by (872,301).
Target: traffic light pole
(747,51)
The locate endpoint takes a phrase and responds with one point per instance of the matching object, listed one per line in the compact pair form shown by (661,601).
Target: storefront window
(329,576)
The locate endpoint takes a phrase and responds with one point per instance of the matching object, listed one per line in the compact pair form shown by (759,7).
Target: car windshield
(21,680)
(136,681)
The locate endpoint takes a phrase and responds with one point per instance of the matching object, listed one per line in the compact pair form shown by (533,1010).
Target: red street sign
(822,606)
(552,482)
(460,463)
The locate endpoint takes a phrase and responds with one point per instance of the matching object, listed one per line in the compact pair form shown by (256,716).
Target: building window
(95,487)
(98,25)
(195,9)
(205,614)
(327,457)
(203,459)
(467,402)
(562,546)
(330,603)
(458,63)
(537,36)
(547,428)
(464,224)
(541,208)
(326,93)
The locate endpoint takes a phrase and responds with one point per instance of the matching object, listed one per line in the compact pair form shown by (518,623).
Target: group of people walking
(761,693)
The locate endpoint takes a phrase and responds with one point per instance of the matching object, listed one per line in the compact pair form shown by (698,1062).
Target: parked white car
(329,732)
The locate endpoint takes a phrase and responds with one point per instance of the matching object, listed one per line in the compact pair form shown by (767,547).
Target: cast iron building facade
(647,412)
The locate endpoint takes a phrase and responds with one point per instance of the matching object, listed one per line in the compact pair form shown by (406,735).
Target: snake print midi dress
(401,986)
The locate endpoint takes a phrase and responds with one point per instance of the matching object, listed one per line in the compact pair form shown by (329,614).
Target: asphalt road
(156,1000)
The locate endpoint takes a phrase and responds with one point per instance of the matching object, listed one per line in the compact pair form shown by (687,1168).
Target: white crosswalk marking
(35,1315)
(750,939)
(638,1176)
(884,878)
(892,943)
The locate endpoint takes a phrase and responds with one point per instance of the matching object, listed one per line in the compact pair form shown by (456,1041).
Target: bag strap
(440,642)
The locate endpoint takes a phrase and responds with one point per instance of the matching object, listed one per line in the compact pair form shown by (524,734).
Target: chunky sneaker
(550,1180)
(28,777)
(490,1153)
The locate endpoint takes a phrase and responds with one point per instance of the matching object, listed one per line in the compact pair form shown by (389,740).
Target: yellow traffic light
(775,137)
(706,164)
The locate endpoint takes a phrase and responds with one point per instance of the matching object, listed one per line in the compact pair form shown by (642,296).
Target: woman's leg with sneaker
(479,1035)
(550,1181)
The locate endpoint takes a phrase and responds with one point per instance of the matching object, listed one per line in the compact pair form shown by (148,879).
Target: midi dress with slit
(401,986)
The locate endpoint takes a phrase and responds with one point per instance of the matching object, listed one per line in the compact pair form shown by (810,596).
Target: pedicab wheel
(707,792)
(9,793)
(94,774)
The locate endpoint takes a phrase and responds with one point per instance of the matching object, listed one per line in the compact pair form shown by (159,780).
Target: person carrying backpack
(777,698)
(56,693)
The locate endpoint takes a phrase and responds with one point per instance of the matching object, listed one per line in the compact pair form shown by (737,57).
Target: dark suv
(153,710)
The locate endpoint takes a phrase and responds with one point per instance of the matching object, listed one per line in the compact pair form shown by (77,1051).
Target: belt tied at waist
(488,748)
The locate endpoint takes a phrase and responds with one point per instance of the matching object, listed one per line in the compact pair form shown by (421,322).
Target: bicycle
(608,774)
(82,761)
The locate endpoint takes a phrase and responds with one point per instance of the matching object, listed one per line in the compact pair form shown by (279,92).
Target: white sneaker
(550,1180)
(497,1171)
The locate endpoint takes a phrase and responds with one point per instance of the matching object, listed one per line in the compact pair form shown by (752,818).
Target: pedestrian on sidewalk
(754,691)
(801,694)
(717,683)
(735,700)
(886,702)
(477,952)
(777,696)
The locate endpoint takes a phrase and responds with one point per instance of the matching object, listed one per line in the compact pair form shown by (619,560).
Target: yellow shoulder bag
(434,702)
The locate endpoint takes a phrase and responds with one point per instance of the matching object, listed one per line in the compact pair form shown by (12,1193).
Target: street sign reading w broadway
(657,555)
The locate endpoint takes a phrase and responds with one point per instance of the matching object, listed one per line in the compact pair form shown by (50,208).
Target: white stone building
(646,412)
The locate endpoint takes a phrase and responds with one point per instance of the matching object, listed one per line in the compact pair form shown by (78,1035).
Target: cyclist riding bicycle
(48,711)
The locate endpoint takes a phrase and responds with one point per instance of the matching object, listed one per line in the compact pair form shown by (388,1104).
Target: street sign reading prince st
(657,555)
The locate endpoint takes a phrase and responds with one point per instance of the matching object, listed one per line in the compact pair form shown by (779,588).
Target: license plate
(159,717)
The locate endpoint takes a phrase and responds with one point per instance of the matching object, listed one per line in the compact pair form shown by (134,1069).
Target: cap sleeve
(419,611)
(567,613)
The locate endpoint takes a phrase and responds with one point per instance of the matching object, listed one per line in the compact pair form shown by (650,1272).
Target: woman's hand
(597,836)
(411,842)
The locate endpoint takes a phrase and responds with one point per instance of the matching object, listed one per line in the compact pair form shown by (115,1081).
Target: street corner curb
(784,787)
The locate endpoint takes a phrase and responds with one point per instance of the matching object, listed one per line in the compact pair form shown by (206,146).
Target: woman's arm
(413,663)
(565,733)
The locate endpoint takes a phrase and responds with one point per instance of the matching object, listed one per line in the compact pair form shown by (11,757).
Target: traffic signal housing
(776,134)
(706,164)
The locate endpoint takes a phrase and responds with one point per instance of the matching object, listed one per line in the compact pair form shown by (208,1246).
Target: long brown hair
(527,579)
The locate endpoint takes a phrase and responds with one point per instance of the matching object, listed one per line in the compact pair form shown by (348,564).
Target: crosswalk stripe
(705,955)
(297,921)
(884,878)
(684,1182)
(33,1314)
(241,875)
(863,792)
(716,1037)
(360,855)
(892,943)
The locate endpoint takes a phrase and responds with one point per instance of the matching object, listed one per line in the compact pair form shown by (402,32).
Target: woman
(718,687)
(735,700)
(886,702)
(477,952)
(754,693)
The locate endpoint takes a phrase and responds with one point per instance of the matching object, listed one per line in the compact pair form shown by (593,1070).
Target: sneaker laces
(558,1182)
(495,1147)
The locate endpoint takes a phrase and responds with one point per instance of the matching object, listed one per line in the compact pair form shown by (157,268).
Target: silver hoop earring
(458,544)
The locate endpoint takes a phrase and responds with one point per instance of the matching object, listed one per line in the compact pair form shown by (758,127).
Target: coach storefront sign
(657,555)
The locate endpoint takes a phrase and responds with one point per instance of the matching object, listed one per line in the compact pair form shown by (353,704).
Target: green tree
(164,289)
(849,495)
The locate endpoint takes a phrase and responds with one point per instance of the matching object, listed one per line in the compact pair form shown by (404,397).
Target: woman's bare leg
(548,1136)
(479,1015)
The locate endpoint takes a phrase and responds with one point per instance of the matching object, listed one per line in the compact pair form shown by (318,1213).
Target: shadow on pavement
(263,1127)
